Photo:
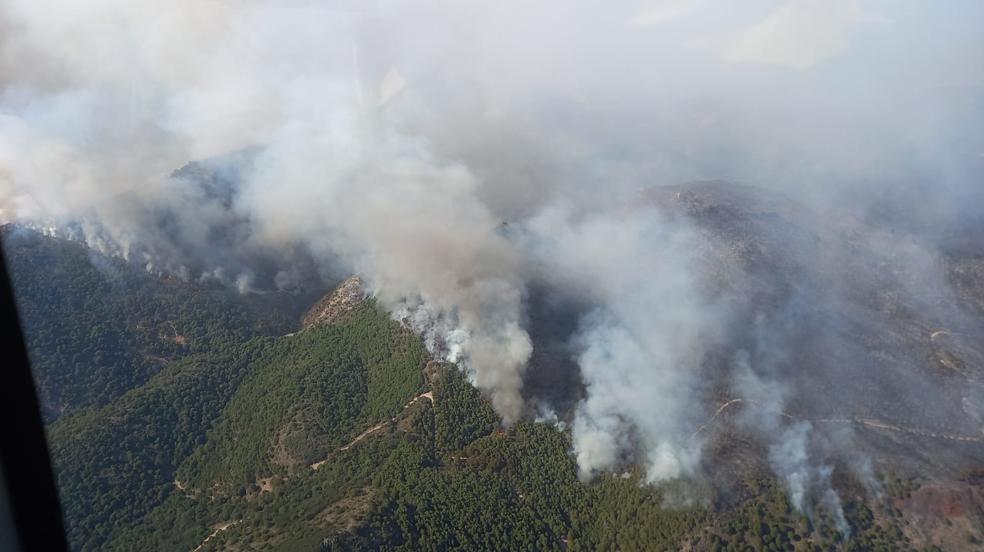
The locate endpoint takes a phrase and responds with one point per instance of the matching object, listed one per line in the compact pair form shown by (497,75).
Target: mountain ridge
(216,449)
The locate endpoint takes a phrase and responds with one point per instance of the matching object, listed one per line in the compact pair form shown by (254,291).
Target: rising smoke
(394,139)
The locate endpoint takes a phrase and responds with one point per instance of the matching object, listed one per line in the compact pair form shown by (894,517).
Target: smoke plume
(457,154)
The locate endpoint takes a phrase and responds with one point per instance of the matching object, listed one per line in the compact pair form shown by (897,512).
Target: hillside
(98,326)
(861,327)
(254,433)
(220,423)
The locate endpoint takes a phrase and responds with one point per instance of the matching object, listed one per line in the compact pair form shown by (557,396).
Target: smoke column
(394,140)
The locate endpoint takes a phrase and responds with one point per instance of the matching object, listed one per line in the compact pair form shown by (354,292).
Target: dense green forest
(97,327)
(116,463)
(336,437)
(406,488)
(217,422)
(397,490)
(306,396)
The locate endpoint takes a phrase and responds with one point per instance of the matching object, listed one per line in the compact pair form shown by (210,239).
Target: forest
(97,326)
(249,432)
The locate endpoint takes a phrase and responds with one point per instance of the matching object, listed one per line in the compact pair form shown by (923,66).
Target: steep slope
(862,329)
(98,326)
(309,394)
(341,436)
(421,484)
(227,422)
(116,463)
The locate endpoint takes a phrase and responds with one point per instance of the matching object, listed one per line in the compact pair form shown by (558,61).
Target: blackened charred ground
(553,380)
(874,338)
(865,328)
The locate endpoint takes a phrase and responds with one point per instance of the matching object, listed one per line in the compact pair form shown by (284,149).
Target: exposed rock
(346,514)
(943,515)
(432,371)
(337,305)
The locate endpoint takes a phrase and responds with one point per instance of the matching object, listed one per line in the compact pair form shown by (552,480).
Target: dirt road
(221,527)
(428,395)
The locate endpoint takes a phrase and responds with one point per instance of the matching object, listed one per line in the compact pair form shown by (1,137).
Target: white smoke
(395,139)
(641,345)
(408,223)
(790,458)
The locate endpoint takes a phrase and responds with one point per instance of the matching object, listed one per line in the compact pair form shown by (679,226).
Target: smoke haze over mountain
(394,140)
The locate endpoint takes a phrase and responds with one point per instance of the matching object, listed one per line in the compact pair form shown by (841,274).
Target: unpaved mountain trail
(876,424)
(937,333)
(221,527)
(717,412)
(733,402)
(867,422)
(428,395)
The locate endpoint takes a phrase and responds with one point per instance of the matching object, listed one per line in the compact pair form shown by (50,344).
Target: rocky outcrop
(337,305)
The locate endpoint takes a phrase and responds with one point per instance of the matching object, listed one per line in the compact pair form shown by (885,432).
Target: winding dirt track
(222,527)
(867,422)
(428,395)
(219,529)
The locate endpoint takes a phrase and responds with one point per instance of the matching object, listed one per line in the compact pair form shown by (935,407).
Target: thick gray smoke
(790,455)
(394,140)
(413,226)
(791,460)
(638,346)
